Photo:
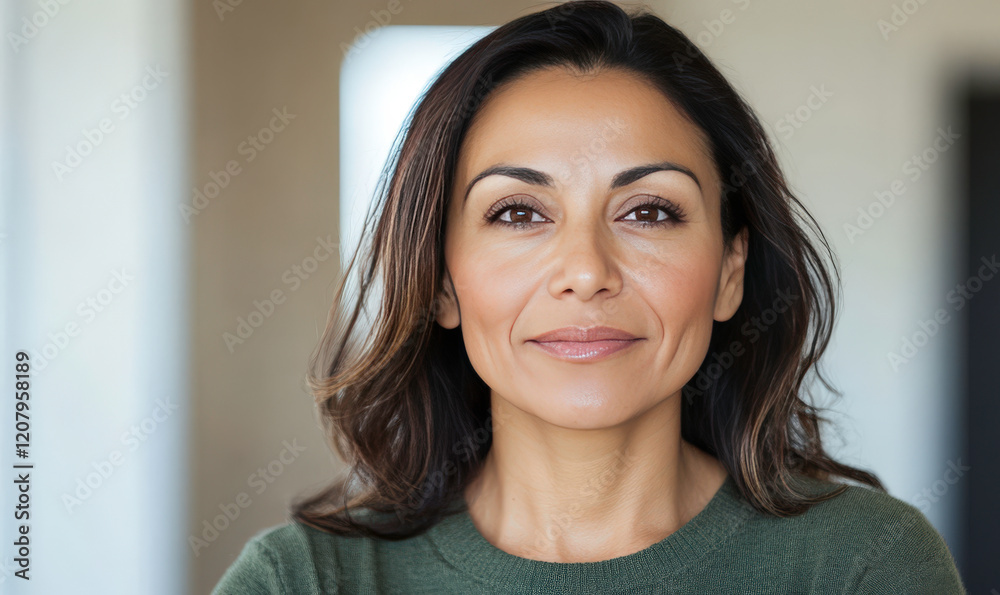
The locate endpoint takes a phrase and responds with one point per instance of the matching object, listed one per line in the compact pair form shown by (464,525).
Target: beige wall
(887,101)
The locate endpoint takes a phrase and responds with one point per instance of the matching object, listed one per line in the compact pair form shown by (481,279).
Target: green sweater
(861,541)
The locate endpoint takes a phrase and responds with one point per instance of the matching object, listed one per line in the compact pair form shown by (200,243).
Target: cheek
(681,284)
(679,287)
(493,287)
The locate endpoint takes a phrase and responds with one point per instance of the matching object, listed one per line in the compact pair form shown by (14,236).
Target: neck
(568,495)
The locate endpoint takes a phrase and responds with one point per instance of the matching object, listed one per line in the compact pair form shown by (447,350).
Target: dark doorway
(981,559)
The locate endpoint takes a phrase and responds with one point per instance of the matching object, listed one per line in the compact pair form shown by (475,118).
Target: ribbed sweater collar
(461,544)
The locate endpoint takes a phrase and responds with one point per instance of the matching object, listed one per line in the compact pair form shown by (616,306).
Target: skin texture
(587,461)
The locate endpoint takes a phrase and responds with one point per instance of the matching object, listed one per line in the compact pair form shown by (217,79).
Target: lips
(583,335)
(584,344)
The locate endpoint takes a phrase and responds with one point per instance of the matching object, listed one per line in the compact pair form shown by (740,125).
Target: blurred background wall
(239,166)
(94,269)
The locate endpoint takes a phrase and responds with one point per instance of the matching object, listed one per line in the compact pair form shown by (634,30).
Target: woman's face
(615,223)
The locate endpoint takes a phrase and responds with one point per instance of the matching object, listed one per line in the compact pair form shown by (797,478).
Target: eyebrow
(539,178)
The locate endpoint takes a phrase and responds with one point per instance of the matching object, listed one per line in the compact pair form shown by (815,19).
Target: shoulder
(280,559)
(887,544)
(881,521)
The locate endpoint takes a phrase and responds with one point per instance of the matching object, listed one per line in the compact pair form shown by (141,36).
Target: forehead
(581,125)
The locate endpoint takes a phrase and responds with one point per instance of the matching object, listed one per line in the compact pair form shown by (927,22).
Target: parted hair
(396,393)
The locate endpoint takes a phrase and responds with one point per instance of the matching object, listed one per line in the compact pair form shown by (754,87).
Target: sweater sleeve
(910,556)
(253,573)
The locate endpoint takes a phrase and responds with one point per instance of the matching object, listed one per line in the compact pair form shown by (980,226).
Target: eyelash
(675,213)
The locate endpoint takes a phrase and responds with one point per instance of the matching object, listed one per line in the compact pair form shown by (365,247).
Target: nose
(586,263)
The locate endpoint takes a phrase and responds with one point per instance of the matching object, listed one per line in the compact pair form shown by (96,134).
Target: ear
(730,293)
(448,313)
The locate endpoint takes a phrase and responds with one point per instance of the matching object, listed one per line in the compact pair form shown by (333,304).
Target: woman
(597,306)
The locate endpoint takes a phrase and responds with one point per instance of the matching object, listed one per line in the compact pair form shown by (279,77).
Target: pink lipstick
(584,344)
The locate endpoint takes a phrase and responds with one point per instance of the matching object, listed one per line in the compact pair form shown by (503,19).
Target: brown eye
(657,212)
(648,214)
(518,215)
(513,213)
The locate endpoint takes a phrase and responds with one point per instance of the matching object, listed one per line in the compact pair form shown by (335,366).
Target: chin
(584,409)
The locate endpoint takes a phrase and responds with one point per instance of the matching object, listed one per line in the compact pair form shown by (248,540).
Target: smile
(584,350)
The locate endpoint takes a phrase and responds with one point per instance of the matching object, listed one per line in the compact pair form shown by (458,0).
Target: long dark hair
(396,392)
